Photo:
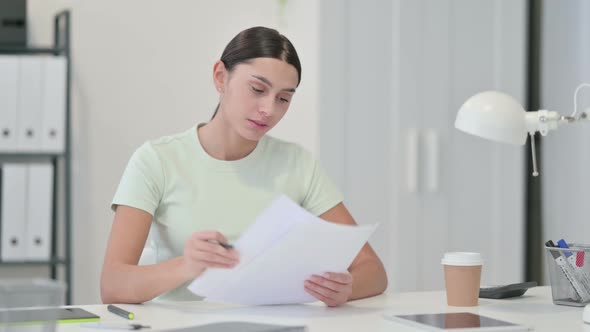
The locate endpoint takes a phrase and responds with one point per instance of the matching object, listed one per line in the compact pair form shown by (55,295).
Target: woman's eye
(283,100)
(257,90)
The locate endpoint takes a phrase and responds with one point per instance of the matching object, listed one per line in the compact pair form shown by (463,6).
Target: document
(283,248)
(8,101)
(39,212)
(29,104)
(53,108)
(13,214)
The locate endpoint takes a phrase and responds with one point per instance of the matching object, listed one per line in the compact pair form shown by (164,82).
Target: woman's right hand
(202,251)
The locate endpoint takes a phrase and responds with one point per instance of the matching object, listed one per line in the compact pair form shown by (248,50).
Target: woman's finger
(328,293)
(198,255)
(321,297)
(332,285)
(342,278)
(215,248)
(210,235)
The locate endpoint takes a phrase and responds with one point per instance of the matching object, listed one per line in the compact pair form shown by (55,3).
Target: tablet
(456,321)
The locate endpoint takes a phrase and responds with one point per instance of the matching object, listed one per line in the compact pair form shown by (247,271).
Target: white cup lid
(462,258)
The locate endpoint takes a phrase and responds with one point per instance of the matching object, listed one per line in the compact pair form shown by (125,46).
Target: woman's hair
(259,42)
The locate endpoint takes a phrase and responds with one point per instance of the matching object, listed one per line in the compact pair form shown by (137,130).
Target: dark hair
(259,42)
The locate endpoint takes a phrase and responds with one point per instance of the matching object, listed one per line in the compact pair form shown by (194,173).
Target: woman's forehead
(277,72)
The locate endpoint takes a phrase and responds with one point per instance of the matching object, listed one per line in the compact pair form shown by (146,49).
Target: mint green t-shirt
(186,190)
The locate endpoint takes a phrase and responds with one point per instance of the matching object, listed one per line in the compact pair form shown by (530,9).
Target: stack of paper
(283,248)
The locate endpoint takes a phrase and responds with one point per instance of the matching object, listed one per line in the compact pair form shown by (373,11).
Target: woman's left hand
(331,288)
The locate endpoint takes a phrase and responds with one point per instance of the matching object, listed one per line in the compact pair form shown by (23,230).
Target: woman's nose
(265,108)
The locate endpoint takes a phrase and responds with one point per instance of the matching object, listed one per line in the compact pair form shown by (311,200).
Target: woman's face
(256,95)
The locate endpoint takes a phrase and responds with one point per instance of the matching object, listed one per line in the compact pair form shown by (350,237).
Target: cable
(576,97)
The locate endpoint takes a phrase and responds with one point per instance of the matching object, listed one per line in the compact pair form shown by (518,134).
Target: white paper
(39,208)
(14,212)
(283,248)
(9,66)
(53,108)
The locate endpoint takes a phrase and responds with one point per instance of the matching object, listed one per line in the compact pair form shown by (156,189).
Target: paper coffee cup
(462,278)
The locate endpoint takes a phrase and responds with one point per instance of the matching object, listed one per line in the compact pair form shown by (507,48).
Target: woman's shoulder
(166,144)
(280,147)
(278,144)
(173,140)
(157,149)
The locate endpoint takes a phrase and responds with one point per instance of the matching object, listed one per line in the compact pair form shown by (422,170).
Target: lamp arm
(534,154)
(581,116)
(543,121)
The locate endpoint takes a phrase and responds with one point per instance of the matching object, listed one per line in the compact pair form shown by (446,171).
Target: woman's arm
(123,281)
(366,276)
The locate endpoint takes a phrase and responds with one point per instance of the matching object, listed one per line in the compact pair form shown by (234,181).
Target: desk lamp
(499,117)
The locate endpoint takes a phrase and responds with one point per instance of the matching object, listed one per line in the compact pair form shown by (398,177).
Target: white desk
(534,309)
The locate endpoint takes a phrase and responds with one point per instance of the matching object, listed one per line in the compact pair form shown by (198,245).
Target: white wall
(393,71)
(142,69)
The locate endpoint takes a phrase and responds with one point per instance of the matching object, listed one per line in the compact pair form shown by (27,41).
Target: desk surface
(535,309)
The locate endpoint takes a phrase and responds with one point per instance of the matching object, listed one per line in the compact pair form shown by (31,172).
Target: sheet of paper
(284,247)
(270,226)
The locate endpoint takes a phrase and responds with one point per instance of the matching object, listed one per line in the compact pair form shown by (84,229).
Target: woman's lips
(257,124)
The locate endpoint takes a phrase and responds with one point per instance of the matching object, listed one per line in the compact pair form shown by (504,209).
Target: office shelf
(21,263)
(17,155)
(61,255)
(31,50)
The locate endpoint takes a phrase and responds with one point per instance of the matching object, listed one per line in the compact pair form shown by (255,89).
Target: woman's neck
(221,142)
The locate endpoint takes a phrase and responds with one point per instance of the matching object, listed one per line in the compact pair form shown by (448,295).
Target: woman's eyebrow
(265,80)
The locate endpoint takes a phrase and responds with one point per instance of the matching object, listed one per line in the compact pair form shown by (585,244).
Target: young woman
(206,185)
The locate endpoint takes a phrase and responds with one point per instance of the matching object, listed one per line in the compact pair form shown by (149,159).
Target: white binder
(13,215)
(53,104)
(39,211)
(29,104)
(8,102)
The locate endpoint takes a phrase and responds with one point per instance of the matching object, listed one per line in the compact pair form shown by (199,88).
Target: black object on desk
(506,291)
(13,23)
(115,326)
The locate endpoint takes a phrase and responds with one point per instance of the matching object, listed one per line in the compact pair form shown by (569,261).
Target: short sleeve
(142,183)
(321,194)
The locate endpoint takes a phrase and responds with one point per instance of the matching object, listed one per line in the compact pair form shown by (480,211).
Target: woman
(207,184)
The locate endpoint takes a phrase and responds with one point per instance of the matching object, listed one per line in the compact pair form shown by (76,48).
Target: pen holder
(569,274)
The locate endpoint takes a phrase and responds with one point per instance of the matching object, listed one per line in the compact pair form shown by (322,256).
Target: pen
(577,261)
(568,272)
(578,272)
(115,326)
(120,312)
(225,245)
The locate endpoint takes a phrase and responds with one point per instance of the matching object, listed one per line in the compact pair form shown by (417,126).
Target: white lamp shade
(493,115)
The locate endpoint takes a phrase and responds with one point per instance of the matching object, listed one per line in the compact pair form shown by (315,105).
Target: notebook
(62,315)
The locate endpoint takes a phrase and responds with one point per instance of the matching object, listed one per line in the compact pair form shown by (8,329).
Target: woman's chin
(253,134)
(250,136)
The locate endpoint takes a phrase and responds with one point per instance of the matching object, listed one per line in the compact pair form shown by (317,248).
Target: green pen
(120,312)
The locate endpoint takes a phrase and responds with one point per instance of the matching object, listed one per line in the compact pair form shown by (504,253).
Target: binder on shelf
(29,104)
(9,65)
(53,108)
(13,214)
(39,212)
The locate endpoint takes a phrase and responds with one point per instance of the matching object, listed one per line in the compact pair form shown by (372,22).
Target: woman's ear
(219,76)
